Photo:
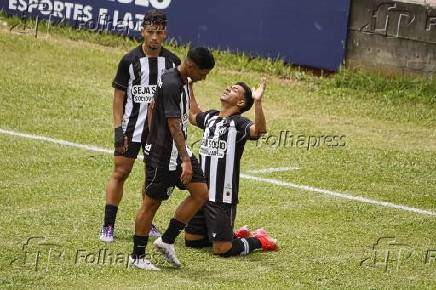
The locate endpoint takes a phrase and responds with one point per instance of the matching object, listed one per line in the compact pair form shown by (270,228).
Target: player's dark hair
(248,97)
(155,17)
(202,57)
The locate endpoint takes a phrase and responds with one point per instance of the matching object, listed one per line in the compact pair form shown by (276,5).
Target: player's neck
(151,52)
(227,111)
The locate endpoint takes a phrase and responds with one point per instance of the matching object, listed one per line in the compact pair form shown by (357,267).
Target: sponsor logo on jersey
(213,147)
(143,94)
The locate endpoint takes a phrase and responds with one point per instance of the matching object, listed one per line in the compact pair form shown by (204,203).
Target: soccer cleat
(168,251)
(243,232)
(107,234)
(142,263)
(266,241)
(154,232)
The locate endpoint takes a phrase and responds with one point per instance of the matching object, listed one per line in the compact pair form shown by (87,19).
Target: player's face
(233,95)
(198,74)
(154,36)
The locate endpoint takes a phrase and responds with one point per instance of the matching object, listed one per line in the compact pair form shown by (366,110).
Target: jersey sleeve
(243,126)
(171,99)
(121,80)
(203,117)
(176,60)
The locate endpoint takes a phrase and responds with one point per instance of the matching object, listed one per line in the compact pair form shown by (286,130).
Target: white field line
(272,170)
(245,176)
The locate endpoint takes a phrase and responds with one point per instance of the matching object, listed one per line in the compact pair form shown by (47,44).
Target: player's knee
(121,173)
(222,249)
(226,254)
(225,250)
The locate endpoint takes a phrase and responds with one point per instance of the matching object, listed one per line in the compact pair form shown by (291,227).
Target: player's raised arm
(194,108)
(259,127)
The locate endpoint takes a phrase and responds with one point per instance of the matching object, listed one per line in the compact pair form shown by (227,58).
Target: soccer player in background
(224,138)
(134,86)
(169,162)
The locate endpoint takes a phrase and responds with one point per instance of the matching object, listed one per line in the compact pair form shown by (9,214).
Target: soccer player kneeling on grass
(225,134)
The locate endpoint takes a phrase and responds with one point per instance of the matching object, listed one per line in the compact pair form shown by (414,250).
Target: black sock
(139,244)
(242,247)
(253,244)
(110,214)
(174,229)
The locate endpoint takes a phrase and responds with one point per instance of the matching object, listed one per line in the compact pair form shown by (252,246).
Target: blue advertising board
(309,33)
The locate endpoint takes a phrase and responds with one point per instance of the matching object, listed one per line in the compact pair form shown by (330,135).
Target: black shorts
(133,149)
(160,182)
(215,221)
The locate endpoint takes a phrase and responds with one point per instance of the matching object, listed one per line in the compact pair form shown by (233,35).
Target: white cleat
(107,234)
(142,263)
(168,251)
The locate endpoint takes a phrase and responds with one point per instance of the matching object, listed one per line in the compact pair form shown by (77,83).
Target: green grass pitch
(59,86)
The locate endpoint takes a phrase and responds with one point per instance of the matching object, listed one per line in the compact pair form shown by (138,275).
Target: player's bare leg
(154,232)
(184,213)
(114,189)
(187,209)
(145,215)
(114,193)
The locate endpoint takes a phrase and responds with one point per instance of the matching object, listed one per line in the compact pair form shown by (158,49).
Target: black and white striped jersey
(172,100)
(221,150)
(137,75)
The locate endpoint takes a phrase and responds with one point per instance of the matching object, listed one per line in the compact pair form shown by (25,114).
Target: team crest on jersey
(222,131)
(213,147)
(143,94)
(159,83)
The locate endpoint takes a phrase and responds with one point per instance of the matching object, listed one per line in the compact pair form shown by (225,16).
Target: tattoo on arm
(177,134)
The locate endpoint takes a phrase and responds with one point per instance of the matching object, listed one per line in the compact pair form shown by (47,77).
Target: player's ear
(241,103)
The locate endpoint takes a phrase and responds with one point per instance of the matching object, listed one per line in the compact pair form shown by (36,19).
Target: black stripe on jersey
(135,109)
(168,63)
(220,175)
(152,80)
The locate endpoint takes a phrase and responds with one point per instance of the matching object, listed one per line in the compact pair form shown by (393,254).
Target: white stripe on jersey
(129,103)
(205,137)
(160,66)
(142,114)
(213,169)
(228,181)
(212,177)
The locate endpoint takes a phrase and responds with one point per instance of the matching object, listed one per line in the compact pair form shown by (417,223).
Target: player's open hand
(186,172)
(258,92)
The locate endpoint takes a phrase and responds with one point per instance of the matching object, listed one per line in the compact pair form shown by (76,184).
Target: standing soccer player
(134,86)
(169,161)
(224,138)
